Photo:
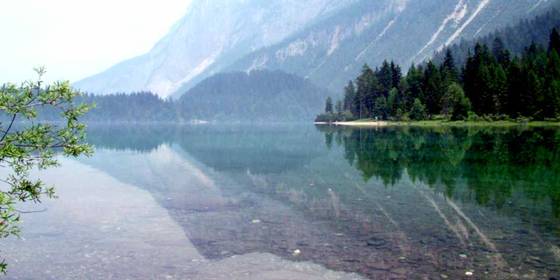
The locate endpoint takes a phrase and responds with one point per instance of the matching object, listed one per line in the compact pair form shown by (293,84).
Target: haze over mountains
(326,41)
(211,36)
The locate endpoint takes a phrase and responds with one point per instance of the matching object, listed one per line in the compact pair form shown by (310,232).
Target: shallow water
(300,202)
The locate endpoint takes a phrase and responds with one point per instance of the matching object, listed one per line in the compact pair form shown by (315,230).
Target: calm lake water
(300,202)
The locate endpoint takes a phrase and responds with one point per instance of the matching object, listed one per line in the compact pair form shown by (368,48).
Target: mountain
(146,107)
(211,35)
(326,41)
(514,38)
(334,50)
(258,96)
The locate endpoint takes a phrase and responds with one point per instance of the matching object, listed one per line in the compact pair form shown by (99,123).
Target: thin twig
(9,128)
(31,212)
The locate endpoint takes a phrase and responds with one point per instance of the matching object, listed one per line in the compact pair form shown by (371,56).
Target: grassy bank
(438,123)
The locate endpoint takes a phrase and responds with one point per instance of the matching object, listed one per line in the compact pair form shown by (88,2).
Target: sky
(75,39)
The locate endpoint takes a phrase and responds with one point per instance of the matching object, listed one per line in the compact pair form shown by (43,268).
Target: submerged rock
(376,242)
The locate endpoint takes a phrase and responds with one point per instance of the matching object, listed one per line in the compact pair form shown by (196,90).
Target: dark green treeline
(493,84)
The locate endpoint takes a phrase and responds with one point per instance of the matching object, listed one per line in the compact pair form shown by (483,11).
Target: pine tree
(455,104)
(433,89)
(385,78)
(447,102)
(516,85)
(418,111)
(392,102)
(553,95)
(552,83)
(485,98)
(339,107)
(414,80)
(329,106)
(381,110)
(553,66)
(396,75)
(554,43)
(372,91)
(477,80)
(532,97)
(349,96)
(501,54)
(366,92)
(462,107)
(448,69)
(498,90)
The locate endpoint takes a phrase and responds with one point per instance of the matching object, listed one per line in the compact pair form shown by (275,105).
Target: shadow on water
(388,202)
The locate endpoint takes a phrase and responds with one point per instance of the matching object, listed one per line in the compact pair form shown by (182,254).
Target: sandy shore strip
(357,123)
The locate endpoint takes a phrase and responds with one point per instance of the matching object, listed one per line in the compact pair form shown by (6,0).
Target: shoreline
(440,123)
(358,123)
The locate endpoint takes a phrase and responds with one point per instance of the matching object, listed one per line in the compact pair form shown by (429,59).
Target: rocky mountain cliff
(326,41)
(211,35)
(334,50)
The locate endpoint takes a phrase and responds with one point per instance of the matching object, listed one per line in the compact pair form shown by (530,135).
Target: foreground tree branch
(26,143)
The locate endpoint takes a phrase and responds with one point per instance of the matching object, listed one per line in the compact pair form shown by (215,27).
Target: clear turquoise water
(386,203)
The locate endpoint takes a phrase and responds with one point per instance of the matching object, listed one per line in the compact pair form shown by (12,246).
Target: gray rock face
(211,36)
(326,41)
(333,51)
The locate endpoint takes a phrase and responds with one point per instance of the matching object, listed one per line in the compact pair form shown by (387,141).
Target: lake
(299,202)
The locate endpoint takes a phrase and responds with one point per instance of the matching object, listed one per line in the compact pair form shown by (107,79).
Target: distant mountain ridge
(257,97)
(326,41)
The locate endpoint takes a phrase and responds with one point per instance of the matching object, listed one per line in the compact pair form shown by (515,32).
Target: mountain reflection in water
(386,202)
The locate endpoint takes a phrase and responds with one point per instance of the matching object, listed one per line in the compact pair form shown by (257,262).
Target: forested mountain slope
(515,38)
(260,96)
(334,50)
